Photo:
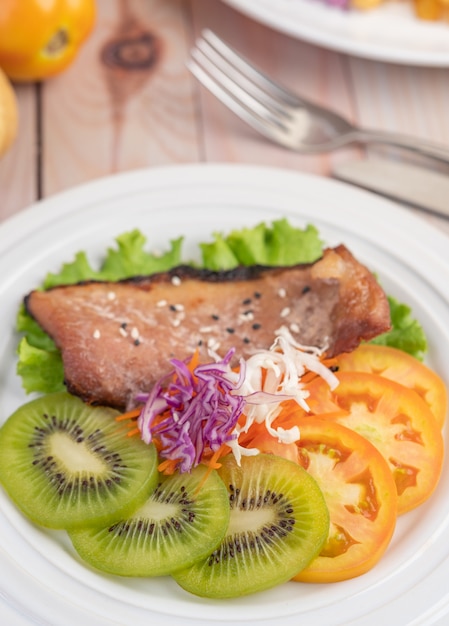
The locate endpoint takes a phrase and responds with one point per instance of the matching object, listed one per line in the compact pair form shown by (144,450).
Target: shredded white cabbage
(272,376)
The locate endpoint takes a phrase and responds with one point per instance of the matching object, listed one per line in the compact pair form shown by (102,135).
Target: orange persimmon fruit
(40,38)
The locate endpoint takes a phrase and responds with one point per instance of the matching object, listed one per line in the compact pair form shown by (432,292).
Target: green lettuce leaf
(41,370)
(406,333)
(278,244)
(129,258)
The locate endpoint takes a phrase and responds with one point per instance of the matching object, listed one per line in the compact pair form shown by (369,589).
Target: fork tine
(246,112)
(241,75)
(248,69)
(242,103)
(231,83)
(253,96)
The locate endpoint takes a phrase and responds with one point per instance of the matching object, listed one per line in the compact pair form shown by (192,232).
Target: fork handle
(412,144)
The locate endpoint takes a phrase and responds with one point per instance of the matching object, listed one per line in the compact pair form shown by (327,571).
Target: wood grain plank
(312,72)
(127,101)
(18,167)
(403,99)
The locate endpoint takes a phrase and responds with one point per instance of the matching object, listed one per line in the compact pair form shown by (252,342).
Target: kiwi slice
(66,464)
(279,522)
(184,520)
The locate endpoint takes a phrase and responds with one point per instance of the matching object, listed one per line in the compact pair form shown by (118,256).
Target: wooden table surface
(100,117)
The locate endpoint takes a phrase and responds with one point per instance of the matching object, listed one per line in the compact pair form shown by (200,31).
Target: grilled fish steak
(116,339)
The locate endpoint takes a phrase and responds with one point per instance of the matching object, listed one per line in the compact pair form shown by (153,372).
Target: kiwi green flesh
(278,524)
(66,464)
(183,521)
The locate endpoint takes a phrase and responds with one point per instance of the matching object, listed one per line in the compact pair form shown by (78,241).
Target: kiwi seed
(278,523)
(67,464)
(184,519)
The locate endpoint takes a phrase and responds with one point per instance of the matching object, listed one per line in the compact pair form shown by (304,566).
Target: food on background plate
(115,337)
(430,10)
(213,417)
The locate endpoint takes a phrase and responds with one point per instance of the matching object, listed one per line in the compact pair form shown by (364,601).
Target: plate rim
(337,41)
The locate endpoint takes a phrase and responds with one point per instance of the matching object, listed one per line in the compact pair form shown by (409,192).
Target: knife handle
(417,186)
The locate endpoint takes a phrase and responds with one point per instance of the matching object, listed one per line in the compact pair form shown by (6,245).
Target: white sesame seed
(285,311)
(134,333)
(176,281)
(179,307)
(161,303)
(123,332)
(175,322)
(294,327)
(205,329)
(246,317)
(282,293)
(213,344)
(111,295)
(96,334)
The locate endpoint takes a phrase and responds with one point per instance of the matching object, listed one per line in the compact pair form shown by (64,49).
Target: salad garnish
(197,409)
(192,409)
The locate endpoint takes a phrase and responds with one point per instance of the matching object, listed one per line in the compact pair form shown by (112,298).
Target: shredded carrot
(168,466)
(128,415)
(134,432)
(212,464)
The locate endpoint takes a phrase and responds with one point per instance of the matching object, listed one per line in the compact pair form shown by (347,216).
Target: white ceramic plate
(41,581)
(388,33)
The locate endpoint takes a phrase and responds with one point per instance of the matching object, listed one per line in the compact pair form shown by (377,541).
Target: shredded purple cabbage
(202,410)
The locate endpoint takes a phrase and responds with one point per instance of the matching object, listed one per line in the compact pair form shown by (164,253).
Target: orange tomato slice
(402,368)
(360,494)
(395,420)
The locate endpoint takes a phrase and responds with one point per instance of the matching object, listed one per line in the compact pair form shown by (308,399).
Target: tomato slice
(395,420)
(360,494)
(402,368)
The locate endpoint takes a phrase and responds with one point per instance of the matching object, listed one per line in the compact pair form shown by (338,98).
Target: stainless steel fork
(281,115)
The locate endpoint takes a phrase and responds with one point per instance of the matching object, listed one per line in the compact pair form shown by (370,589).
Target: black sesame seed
(306,289)
(257,326)
(257,294)
(215,317)
(172,307)
(230,330)
(247,301)
(137,342)
(246,340)
(123,325)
